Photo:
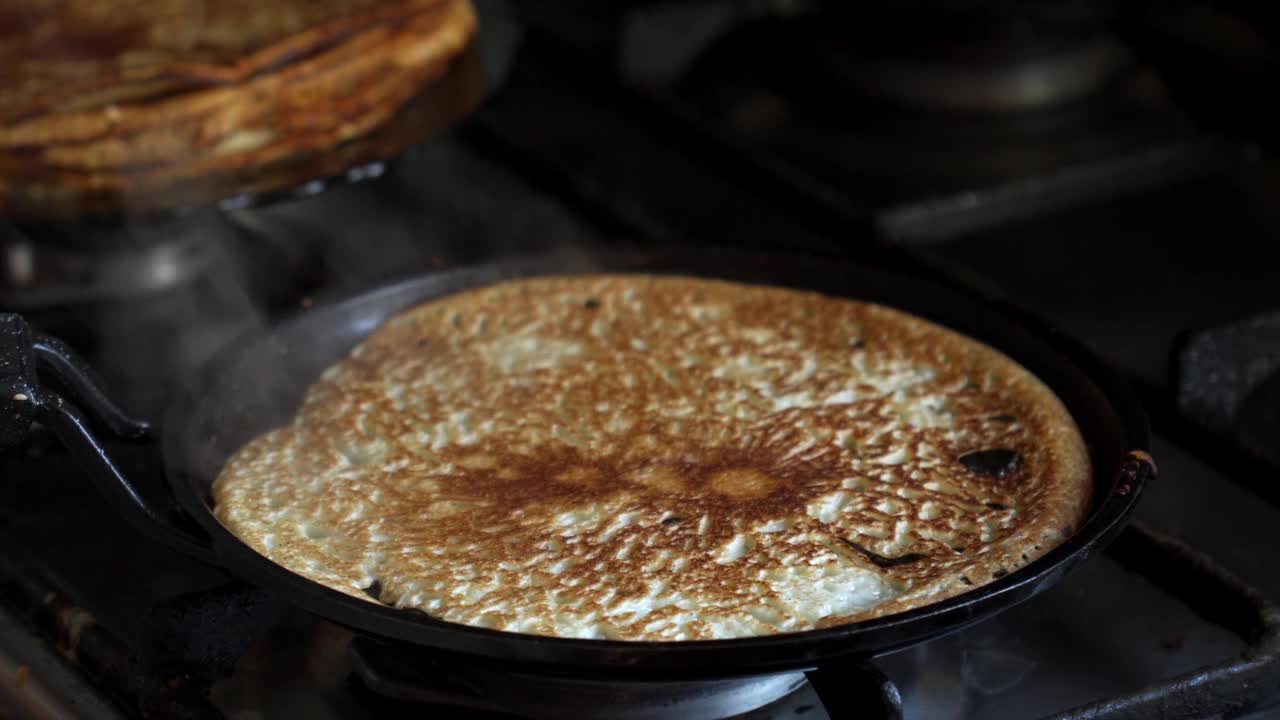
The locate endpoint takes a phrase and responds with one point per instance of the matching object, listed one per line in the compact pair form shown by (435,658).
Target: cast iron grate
(195,639)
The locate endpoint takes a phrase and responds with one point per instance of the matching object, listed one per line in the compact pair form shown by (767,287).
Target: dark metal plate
(257,384)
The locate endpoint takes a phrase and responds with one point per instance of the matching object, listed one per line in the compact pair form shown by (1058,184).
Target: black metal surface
(1216,369)
(1258,425)
(78,380)
(560,112)
(23,355)
(425,680)
(608,205)
(1220,451)
(106,659)
(856,690)
(18,380)
(192,640)
(27,400)
(1231,688)
(387,670)
(781,91)
(1226,379)
(186,644)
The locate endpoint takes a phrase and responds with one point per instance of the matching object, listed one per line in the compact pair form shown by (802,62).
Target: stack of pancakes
(111,105)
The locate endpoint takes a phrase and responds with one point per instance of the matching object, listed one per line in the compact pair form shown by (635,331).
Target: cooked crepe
(106,102)
(661,458)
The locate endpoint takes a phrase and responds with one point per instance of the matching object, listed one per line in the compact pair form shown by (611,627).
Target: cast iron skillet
(257,382)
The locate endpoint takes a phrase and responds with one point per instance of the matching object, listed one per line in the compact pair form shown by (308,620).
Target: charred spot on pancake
(881,561)
(857,343)
(996,506)
(1006,419)
(591,304)
(673,520)
(996,462)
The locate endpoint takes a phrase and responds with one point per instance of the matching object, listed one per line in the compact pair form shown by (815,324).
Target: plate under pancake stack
(63,248)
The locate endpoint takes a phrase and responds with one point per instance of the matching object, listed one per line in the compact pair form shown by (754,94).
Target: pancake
(661,458)
(110,103)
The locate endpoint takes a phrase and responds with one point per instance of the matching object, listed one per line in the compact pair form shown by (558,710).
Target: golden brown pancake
(661,458)
(107,103)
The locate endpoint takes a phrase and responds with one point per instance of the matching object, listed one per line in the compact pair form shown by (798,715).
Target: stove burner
(438,679)
(83,261)
(890,114)
(975,58)
(1017,81)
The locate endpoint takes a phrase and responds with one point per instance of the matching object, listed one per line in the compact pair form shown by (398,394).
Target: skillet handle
(25,401)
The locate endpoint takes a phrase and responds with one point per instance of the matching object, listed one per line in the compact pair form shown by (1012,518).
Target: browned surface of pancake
(105,102)
(660,458)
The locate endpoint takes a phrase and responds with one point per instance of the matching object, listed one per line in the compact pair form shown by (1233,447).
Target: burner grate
(1236,685)
(198,638)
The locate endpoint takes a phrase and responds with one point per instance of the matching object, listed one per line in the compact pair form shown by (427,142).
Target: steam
(166,292)
(197,293)
(443,205)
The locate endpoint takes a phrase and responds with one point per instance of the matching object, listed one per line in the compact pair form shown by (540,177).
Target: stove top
(96,621)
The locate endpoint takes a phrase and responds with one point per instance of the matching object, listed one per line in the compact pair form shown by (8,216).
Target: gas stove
(1169,281)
